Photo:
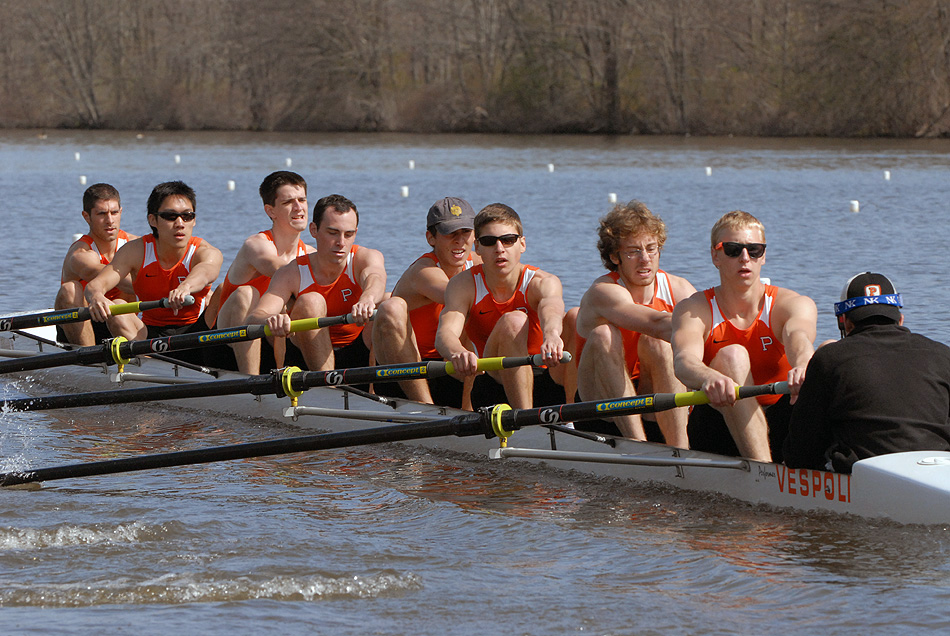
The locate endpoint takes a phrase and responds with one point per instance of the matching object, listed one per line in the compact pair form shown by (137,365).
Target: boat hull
(905,487)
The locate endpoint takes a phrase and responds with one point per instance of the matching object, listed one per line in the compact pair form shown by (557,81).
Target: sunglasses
(171,216)
(734,250)
(489,241)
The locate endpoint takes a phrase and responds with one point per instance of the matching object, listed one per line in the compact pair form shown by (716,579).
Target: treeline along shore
(755,67)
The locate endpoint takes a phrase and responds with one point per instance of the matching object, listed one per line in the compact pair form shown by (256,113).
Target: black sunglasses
(489,241)
(171,216)
(734,250)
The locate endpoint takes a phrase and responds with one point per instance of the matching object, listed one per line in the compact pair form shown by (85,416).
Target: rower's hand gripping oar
(490,422)
(121,351)
(79,314)
(290,382)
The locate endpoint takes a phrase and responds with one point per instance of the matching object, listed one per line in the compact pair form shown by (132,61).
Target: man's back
(882,389)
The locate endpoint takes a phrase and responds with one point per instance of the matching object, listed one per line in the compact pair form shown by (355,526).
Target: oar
(488,422)
(79,314)
(290,382)
(120,350)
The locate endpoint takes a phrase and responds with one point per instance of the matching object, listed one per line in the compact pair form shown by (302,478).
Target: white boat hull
(909,487)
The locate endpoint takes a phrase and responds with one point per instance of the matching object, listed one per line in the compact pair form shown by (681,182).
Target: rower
(339,278)
(741,332)
(170,262)
(102,211)
(284,195)
(880,389)
(625,323)
(405,325)
(505,308)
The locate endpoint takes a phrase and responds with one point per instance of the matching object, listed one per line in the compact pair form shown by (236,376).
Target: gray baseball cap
(451,214)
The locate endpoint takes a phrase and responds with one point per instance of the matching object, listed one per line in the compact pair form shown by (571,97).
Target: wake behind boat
(909,487)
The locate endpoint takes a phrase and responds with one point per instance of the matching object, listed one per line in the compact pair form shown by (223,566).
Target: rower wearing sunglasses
(168,263)
(742,332)
(506,308)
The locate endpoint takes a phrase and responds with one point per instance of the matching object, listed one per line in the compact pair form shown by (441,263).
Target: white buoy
(289,161)
(231,184)
(76,237)
(404,190)
(612,197)
(887,175)
(82,179)
(550,167)
(855,206)
(708,171)
(140,136)
(177,158)
(412,164)
(77,156)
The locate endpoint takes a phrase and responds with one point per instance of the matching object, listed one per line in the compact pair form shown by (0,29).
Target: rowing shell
(911,487)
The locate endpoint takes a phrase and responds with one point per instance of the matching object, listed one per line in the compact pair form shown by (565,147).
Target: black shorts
(193,356)
(708,432)
(486,391)
(445,390)
(100,332)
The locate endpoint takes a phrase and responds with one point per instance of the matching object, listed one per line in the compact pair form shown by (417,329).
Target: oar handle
(509,362)
(694,398)
(79,314)
(145,305)
(306,324)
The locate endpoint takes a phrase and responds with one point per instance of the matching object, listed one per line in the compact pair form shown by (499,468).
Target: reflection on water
(394,539)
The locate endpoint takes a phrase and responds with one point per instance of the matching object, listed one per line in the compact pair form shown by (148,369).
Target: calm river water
(394,540)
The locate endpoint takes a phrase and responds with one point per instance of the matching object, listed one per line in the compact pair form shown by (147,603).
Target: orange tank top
(261,282)
(486,311)
(121,239)
(766,352)
(662,301)
(153,282)
(425,319)
(340,296)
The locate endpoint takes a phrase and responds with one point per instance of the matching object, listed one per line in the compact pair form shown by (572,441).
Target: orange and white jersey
(260,283)
(662,300)
(121,239)
(486,311)
(340,296)
(766,352)
(154,282)
(425,319)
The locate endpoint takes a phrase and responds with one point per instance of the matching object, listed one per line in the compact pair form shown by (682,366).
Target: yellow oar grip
(694,398)
(124,308)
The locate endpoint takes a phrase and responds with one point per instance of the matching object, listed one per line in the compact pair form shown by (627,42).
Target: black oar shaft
(461,425)
(76,314)
(254,385)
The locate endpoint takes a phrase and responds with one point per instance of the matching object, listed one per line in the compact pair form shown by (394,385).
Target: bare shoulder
(367,257)
(792,301)
(694,306)
(681,287)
